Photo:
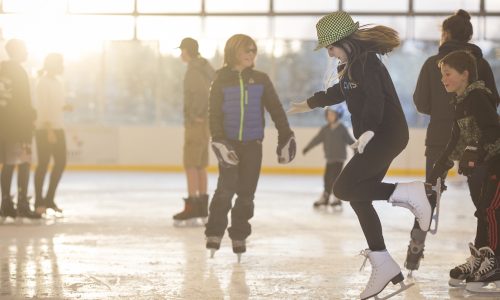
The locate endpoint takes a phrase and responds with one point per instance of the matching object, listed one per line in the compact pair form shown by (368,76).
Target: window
(101,6)
(445,5)
(378,5)
(169,6)
(231,6)
(305,6)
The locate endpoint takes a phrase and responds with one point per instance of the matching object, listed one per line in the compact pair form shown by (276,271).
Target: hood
(476,85)
(451,46)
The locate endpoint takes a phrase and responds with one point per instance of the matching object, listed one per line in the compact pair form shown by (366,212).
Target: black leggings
(332,171)
(23,175)
(361,182)
(45,151)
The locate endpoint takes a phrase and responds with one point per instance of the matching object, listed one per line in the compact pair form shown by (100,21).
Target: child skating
(239,96)
(334,137)
(380,128)
(475,139)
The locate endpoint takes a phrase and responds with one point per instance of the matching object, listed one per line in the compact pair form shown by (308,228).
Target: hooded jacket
(237,104)
(371,99)
(431,98)
(197,80)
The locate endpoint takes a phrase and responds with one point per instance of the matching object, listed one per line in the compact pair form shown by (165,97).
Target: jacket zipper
(242,107)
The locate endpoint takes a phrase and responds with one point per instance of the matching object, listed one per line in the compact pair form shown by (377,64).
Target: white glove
(360,144)
(298,107)
(225,153)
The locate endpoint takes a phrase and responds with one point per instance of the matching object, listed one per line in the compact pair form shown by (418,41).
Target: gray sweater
(334,142)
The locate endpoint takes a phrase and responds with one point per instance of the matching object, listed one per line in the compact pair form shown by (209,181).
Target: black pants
(361,182)
(242,181)
(23,175)
(332,172)
(46,151)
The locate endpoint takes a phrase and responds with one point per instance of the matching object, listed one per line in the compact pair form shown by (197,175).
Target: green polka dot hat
(334,27)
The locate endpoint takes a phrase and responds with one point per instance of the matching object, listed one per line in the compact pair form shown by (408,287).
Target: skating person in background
(380,128)
(431,98)
(238,99)
(335,138)
(18,124)
(50,138)
(197,81)
(475,139)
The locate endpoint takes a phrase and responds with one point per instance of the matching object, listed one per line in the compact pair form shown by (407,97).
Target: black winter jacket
(431,98)
(371,99)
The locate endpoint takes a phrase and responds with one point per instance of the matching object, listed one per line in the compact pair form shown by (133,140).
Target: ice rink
(117,241)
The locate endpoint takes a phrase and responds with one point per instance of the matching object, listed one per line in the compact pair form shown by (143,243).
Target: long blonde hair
(367,39)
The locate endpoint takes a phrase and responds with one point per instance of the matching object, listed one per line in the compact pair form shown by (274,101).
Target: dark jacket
(431,98)
(18,114)
(476,123)
(371,99)
(334,142)
(197,80)
(237,103)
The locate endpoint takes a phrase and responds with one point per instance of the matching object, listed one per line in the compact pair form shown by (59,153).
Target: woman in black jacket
(380,128)
(431,98)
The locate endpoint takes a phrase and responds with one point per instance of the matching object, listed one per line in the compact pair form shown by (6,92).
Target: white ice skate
(413,196)
(384,270)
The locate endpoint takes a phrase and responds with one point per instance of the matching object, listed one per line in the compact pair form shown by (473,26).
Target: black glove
(286,149)
(469,160)
(305,150)
(439,171)
(225,153)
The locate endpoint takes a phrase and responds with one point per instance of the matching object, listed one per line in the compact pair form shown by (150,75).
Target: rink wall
(160,149)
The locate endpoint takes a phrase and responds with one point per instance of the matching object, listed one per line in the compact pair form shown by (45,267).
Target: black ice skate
(213,244)
(188,216)
(384,270)
(460,273)
(488,273)
(322,201)
(7,209)
(336,203)
(415,250)
(239,247)
(24,211)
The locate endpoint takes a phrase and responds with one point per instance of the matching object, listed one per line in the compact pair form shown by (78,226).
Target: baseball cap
(189,44)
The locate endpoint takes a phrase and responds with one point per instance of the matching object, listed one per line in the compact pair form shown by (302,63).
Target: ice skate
(203,208)
(414,196)
(322,201)
(239,247)
(435,199)
(24,212)
(460,273)
(7,210)
(336,204)
(213,244)
(415,250)
(187,217)
(384,270)
(487,278)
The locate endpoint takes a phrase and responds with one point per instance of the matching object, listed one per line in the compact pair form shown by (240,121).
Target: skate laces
(487,265)
(471,263)
(365,254)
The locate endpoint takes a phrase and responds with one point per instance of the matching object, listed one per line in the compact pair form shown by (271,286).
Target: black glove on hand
(286,150)
(469,160)
(225,153)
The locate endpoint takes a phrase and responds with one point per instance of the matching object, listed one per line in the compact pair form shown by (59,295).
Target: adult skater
(238,98)
(335,138)
(197,81)
(431,98)
(476,140)
(18,125)
(380,128)
(50,104)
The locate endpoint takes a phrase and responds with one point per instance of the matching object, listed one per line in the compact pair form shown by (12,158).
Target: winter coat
(476,123)
(237,103)
(197,80)
(431,98)
(18,114)
(371,99)
(334,142)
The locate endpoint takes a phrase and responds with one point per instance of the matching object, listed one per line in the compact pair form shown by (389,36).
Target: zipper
(243,95)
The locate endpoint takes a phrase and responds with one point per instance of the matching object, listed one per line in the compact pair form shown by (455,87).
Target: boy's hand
(298,107)
(361,143)
(225,153)
(286,150)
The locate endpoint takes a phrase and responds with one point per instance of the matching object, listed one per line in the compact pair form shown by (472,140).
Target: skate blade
(435,215)
(402,287)
(238,257)
(212,253)
(456,283)
(187,223)
(490,288)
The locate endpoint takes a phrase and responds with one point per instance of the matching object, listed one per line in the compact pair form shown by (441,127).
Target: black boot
(323,200)
(24,210)
(7,209)
(203,205)
(189,215)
